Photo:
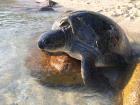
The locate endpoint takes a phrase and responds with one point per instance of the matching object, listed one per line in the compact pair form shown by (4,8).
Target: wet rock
(52,3)
(55,69)
(49,2)
(46,8)
(131,92)
(46,5)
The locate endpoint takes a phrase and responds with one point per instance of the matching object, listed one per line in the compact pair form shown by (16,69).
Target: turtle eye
(64,23)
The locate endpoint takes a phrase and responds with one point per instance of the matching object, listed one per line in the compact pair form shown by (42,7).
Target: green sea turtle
(90,37)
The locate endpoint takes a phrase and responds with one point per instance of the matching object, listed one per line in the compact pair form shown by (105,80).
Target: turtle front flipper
(87,70)
(91,76)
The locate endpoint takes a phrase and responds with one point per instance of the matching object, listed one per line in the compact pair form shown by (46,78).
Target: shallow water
(20,22)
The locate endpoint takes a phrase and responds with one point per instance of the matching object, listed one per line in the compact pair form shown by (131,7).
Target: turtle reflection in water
(90,37)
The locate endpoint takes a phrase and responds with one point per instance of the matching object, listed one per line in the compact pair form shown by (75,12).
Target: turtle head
(52,41)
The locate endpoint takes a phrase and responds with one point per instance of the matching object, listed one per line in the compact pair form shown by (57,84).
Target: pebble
(127,15)
(132,17)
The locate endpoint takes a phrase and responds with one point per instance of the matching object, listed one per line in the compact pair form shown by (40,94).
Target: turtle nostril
(40,45)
